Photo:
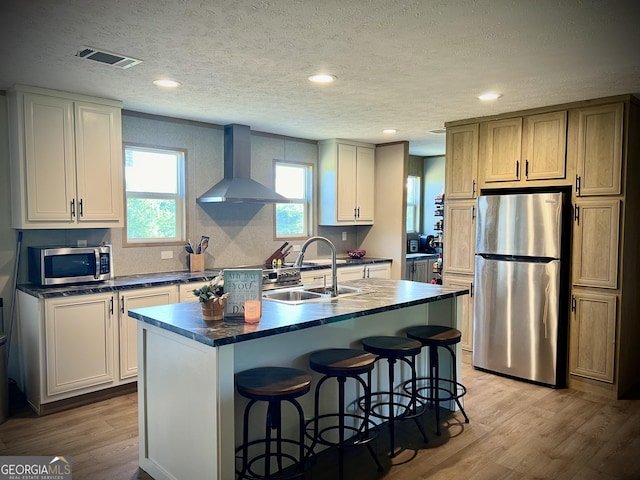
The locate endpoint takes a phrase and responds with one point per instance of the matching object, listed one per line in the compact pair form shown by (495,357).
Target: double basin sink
(310,294)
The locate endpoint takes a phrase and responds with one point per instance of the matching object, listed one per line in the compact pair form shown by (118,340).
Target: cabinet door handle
(80,207)
(473,213)
(517,168)
(526,168)
(73,208)
(577,184)
(111,306)
(473,188)
(471,290)
(576,214)
(573,303)
(122,304)
(355,212)
(358,212)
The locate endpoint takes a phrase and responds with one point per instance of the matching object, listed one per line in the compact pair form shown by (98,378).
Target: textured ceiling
(409,65)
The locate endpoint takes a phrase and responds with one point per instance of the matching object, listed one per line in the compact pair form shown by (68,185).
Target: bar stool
(342,364)
(434,336)
(395,349)
(274,385)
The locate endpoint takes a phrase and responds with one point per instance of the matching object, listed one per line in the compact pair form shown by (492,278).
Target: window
(155,191)
(293,180)
(413,204)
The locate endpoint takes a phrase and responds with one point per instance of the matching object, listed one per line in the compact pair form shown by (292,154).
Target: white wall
(387,237)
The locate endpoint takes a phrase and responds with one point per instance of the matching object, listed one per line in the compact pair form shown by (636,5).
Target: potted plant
(212,298)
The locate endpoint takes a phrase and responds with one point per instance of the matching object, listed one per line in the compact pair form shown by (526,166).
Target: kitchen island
(189,414)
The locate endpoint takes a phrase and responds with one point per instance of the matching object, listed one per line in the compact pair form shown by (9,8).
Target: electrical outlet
(344,236)
(166,255)
(82,243)
(296,248)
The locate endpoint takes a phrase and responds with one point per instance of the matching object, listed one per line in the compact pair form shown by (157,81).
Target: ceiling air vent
(109,58)
(437,131)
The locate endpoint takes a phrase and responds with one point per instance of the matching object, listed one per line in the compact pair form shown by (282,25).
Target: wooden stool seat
(265,383)
(342,361)
(434,335)
(391,347)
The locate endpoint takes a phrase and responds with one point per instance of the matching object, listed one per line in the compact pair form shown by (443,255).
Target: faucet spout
(334,276)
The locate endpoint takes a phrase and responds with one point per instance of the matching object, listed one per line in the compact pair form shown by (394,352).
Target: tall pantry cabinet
(603,140)
(66,160)
(461,180)
(593,148)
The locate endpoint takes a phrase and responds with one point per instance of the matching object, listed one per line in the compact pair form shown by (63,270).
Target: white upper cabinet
(66,160)
(346,183)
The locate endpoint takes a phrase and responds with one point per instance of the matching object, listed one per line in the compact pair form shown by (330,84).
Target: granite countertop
(145,280)
(379,295)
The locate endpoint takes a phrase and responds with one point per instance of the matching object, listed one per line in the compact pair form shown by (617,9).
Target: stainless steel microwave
(68,265)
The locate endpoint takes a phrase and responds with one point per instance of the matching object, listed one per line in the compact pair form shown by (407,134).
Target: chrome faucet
(334,276)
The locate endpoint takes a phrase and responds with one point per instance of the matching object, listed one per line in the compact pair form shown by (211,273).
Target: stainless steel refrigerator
(519,322)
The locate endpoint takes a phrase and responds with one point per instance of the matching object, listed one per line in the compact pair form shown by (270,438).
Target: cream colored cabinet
(598,149)
(524,149)
(464,281)
(185,291)
(129,300)
(79,335)
(459,236)
(595,243)
(377,270)
(346,183)
(461,165)
(592,346)
(66,160)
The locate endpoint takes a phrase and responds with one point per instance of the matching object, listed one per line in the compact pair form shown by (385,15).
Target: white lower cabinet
(320,276)
(186,291)
(129,300)
(74,345)
(79,338)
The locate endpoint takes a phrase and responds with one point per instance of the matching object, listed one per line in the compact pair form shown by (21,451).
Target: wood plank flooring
(517,431)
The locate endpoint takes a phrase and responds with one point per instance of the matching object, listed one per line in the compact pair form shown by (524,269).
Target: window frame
(414,204)
(182,195)
(308,201)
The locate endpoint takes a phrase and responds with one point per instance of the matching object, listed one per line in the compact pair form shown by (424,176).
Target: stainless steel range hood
(237,185)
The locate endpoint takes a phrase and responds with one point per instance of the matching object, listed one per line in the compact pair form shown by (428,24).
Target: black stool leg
(367,409)
(392,413)
(414,397)
(434,383)
(455,383)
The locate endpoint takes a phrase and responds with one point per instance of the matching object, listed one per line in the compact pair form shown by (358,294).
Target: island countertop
(378,295)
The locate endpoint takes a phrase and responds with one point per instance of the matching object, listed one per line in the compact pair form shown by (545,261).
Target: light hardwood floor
(517,431)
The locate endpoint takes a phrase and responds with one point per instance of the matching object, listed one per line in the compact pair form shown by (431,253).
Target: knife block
(196,262)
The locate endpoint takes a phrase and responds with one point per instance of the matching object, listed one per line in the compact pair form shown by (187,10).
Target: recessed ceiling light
(322,78)
(489,96)
(389,130)
(166,83)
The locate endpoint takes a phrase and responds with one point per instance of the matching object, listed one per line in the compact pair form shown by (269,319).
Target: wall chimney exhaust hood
(237,186)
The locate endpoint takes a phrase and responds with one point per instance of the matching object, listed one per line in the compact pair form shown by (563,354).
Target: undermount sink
(295,296)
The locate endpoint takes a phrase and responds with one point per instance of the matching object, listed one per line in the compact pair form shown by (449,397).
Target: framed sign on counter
(241,284)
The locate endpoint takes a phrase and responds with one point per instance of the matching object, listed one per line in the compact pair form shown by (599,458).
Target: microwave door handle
(97,256)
